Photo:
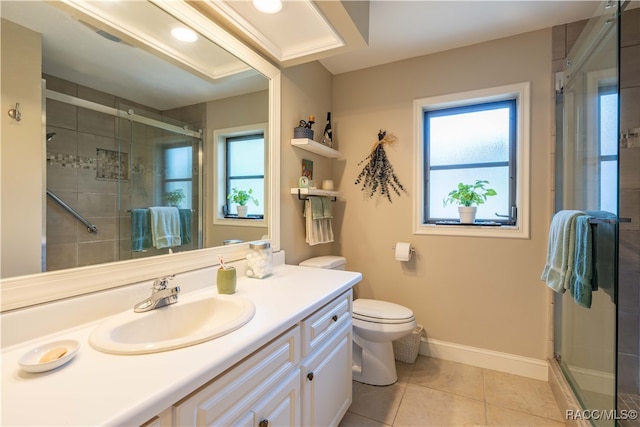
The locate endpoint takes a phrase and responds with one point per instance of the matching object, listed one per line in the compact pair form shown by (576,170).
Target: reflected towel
(318,231)
(165,227)
(560,250)
(185,226)
(604,261)
(581,272)
(140,230)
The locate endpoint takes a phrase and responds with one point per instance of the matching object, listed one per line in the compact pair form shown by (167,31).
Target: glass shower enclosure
(587,179)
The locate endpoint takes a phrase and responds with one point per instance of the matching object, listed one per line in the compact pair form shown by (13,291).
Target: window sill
(476,230)
(233,220)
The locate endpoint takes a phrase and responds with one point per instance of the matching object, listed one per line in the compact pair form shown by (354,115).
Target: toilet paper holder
(411,249)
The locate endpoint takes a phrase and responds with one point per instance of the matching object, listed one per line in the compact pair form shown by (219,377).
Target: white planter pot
(242,211)
(467,214)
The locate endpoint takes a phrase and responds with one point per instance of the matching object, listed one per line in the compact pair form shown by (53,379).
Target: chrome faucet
(161,295)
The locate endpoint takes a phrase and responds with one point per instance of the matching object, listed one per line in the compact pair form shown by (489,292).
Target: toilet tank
(330,261)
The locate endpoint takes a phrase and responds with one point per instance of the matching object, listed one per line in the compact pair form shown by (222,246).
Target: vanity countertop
(97,388)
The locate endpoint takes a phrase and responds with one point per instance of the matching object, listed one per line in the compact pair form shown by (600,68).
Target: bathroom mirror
(114,63)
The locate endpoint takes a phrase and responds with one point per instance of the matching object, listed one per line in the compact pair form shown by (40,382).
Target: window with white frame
(466,137)
(245,171)
(240,158)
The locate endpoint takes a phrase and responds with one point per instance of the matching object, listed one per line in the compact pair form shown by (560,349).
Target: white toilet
(376,324)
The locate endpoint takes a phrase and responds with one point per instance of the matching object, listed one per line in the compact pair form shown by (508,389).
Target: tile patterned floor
(629,402)
(435,392)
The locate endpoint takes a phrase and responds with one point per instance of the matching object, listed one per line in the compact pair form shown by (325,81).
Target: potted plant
(468,197)
(240,198)
(174,198)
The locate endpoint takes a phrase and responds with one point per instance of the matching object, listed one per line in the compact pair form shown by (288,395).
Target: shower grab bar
(90,227)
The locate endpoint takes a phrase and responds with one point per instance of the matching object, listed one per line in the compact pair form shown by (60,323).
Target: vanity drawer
(320,325)
(243,384)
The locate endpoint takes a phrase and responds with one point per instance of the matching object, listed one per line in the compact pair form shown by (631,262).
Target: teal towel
(604,253)
(185,226)
(140,230)
(560,250)
(165,227)
(580,275)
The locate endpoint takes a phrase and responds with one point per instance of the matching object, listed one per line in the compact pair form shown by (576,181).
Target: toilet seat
(375,311)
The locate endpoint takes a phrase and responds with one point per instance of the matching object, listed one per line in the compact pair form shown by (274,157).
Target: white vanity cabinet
(301,378)
(326,367)
(262,390)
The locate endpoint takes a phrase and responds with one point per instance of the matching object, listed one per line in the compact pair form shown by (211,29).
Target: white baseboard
(504,362)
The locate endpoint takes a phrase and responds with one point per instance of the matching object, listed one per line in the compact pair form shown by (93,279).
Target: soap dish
(30,361)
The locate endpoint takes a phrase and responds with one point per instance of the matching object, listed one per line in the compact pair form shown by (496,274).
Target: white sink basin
(192,320)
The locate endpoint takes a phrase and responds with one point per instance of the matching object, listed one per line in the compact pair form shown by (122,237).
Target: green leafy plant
(469,194)
(241,197)
(173,198)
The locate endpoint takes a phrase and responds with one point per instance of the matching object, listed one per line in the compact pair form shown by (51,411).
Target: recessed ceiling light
(184,34)
(268,6)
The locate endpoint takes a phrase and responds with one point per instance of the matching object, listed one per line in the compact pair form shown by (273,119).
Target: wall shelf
(301,192)
(315,147)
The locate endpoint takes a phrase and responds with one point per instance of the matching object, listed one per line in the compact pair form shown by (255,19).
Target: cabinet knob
(310,376)
(334,317)
(263,423)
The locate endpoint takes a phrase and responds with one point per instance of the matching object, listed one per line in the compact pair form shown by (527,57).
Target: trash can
(406,349)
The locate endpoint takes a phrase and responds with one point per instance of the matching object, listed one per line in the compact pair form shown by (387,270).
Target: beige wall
(22,148)
(306,90)
(479,292)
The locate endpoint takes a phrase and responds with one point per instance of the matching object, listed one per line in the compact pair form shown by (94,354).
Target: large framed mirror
(120,122)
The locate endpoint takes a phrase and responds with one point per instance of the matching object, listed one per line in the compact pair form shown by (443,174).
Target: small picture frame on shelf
(307,168)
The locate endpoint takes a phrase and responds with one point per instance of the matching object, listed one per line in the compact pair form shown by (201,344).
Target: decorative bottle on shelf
(328,134)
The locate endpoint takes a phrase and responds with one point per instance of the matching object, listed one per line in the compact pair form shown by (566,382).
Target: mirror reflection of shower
(97,163)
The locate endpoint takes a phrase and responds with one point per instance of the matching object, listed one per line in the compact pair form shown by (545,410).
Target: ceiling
(404,29)
(392,29)
(343,35)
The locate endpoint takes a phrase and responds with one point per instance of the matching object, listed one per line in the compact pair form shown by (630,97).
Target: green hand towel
(327,207)
(317,209)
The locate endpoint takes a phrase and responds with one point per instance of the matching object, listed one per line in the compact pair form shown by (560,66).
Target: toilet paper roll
(403,251)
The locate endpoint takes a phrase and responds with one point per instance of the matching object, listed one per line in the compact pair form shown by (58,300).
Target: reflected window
(178,177)
(245,165)
(466,143)
(608,147)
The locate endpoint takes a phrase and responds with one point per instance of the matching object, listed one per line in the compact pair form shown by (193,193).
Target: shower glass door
(585,338)
(162,168)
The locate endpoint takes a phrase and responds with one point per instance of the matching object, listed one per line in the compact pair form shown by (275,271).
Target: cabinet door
(281,407)
(227,399)
(326,390)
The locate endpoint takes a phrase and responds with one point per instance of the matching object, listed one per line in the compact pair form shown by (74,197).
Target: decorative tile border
(109,165)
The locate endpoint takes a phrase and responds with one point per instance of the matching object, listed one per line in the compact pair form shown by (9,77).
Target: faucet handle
(162,283)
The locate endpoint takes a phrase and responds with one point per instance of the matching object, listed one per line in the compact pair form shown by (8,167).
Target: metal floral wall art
(377,176)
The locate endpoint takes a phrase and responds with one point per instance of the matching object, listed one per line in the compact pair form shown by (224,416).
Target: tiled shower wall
(629,247)
(81,175)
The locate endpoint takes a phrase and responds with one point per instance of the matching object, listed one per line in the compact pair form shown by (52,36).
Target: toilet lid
(372,310)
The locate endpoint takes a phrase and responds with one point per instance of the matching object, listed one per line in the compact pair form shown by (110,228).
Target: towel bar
(333,199)
(131,211)
(596,221)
